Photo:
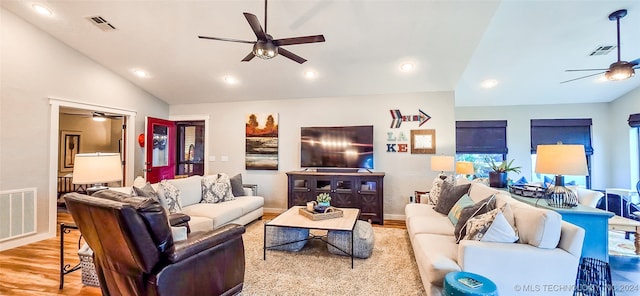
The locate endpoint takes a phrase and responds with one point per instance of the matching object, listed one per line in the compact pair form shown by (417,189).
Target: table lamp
(561,160)
(443,164)
(464,168)
(97,169)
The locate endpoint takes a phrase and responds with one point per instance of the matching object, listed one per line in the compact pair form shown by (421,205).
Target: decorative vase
(498,180)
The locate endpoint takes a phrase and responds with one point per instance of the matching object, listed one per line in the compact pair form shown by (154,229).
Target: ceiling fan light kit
(620,70)
(265,47)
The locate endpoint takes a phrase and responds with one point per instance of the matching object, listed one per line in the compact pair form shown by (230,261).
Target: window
(634,122)
(478,141)
(567,131)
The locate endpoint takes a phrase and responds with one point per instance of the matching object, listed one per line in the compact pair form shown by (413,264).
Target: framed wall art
(69,147)
(423,141)
(261,141)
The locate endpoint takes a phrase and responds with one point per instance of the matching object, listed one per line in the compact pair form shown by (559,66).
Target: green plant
(323,197)
(503,167)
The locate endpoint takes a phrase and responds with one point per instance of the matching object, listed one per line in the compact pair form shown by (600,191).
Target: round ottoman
(282,235)
(454,287)
(362,240)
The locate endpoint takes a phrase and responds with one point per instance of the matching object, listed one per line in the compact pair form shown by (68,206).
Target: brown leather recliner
(134,252)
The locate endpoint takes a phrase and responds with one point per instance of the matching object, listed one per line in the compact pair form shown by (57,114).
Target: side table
(453,287)
(66,268)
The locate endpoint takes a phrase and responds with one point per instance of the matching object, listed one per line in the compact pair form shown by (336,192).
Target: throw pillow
(463,202)
(171,197)
(478,225)
(449,196)
(216,188)
(139,181)
(434,192)
(481,207)
(236,185)
(146,191)
(500,231)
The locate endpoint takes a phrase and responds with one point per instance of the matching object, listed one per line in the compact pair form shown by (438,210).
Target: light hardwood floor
(35,269)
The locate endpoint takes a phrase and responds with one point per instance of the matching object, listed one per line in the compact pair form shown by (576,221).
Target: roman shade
(487,136)
(567,131)
(634,120)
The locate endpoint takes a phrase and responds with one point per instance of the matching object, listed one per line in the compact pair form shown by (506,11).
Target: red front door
(160,150)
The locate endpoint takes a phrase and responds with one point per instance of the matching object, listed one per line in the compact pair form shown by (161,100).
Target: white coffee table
(292,219)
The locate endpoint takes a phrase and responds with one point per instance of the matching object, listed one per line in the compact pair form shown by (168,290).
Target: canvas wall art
(261,141)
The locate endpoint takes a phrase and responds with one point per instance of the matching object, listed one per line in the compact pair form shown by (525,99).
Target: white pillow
(216,188)
(171,196)
(500,231)
(434,192)
(179,233)
(139,182)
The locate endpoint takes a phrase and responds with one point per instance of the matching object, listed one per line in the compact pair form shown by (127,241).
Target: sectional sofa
(543,260)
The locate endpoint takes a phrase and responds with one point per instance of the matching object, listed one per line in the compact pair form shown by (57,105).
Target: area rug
(618,246)
(391,269)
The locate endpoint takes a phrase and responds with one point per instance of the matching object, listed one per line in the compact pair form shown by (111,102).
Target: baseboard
(18,242)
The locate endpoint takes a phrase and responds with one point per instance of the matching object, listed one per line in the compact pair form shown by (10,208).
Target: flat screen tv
(337,147)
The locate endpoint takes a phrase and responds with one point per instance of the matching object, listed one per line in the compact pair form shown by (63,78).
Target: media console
(364,191)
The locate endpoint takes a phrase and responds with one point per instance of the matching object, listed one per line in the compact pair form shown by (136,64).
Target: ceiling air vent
(602,50)
(101,23)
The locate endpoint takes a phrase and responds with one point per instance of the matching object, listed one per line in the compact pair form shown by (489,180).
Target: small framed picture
(423,141)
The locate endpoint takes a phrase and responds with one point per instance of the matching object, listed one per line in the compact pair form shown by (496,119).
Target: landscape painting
(261,141)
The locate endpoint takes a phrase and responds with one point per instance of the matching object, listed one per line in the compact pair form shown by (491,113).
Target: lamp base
(559,196)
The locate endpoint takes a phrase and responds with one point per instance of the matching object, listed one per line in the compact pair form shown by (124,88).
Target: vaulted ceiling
(454,46)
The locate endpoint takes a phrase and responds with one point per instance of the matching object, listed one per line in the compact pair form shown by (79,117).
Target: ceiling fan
(619,70)
(266,47)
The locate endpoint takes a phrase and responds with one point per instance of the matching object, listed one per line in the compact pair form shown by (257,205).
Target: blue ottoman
(453,287)
(286,238)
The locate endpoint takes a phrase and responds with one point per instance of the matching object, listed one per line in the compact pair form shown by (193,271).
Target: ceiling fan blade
(291,55)
(248,57)
(578,70)
(255,26)
(635,62)
(581,77)
(299,40)
(226,39)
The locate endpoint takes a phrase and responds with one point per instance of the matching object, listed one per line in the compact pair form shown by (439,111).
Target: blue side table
(453,287)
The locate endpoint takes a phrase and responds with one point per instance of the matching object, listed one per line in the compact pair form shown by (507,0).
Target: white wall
(33,68)
(624,154)
(519,137)
(405,172)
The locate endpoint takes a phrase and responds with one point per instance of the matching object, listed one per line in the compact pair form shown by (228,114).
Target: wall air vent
(602,50)
(101,23)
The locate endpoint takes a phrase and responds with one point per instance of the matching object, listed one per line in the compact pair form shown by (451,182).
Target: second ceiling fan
(266,47)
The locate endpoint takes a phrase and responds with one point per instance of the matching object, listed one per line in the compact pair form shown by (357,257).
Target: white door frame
(56,103)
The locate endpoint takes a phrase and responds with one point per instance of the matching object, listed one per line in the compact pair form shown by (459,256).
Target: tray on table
(330,213)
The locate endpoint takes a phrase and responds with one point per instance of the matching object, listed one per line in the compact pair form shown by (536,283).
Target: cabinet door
(301,190)
(342,193)
(369,197)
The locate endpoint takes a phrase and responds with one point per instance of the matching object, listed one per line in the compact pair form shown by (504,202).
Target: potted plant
(323,199)
(499,172)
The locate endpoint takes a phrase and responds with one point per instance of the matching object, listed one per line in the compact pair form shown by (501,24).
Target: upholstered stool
(282,235)
(362,240)
(453,287)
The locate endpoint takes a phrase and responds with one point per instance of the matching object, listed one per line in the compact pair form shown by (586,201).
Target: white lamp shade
(96,168)
(464,168)
(561,159)
(442,163)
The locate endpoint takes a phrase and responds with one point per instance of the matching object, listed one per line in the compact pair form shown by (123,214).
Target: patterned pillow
(434,192)
(216,188)
(481,207)
(171,196)
(456,211)
(491,227)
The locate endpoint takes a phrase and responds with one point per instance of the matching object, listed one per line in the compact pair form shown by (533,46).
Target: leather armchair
(134,253)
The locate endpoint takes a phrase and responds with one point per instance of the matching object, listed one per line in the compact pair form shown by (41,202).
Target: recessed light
(406,67)
(489,83)
(230,79)
(141,73)
(310,74)
(39,8)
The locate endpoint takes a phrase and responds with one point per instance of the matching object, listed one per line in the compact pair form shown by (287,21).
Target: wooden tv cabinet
(364,191)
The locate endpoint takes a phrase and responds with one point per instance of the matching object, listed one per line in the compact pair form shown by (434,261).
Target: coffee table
(292,219)
(627,225)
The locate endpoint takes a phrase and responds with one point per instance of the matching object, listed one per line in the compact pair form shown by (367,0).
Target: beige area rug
(618,246)
(391,269)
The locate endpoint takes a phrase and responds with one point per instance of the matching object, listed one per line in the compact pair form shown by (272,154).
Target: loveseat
(543,260)
(244,206)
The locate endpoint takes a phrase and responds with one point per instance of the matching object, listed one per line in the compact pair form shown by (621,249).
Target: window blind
(488,136)
(567,131)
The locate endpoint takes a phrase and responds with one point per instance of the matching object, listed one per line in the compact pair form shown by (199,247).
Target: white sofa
(207,216)
(546,263)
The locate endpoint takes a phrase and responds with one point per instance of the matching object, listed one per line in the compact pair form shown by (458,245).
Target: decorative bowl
(320,209)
